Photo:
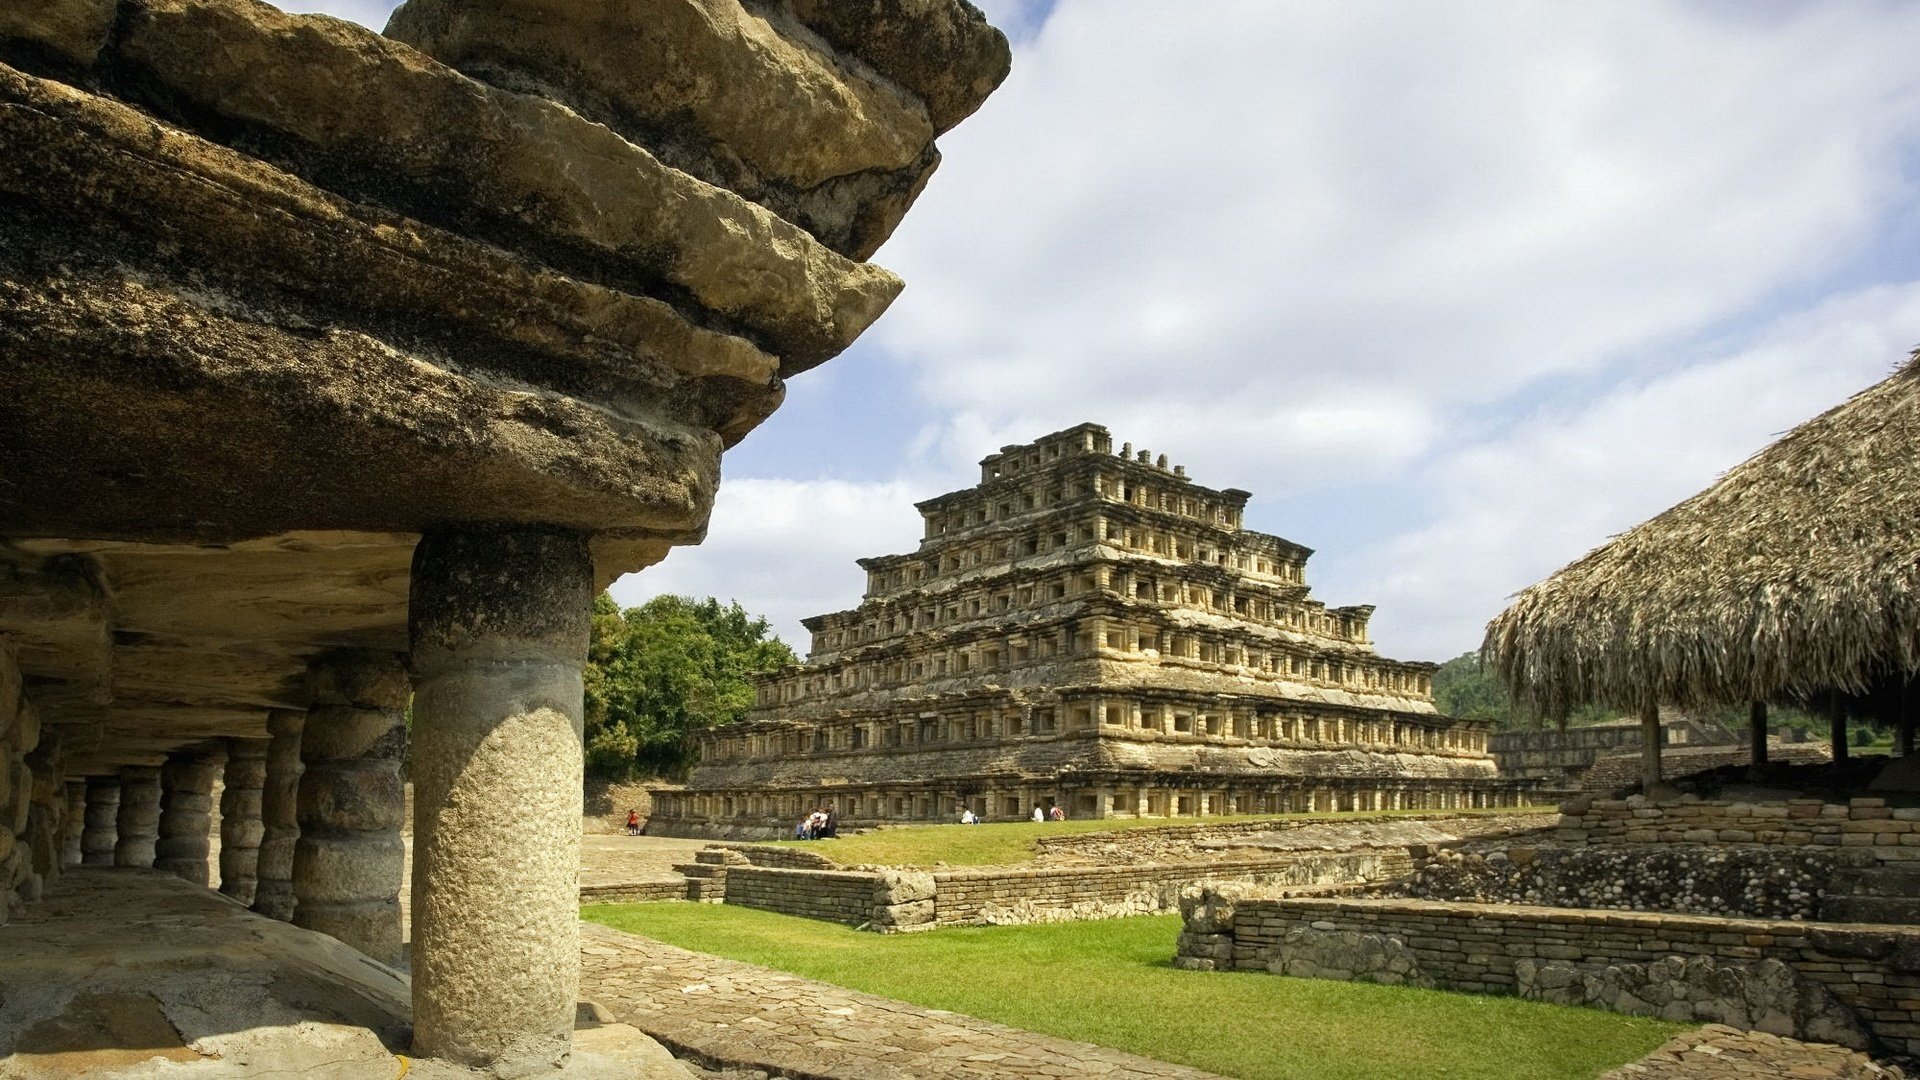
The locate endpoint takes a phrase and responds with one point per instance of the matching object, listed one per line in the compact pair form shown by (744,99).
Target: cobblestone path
(744,1016)
(1716,1052)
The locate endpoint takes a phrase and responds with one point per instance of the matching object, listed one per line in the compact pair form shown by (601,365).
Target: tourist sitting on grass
(1058,813)
(1039,813)
(967,817)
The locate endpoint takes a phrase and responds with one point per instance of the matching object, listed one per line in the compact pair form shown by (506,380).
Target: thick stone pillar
(240,826)
(137,826)
(98,832)
(499,621)
(279,815)
(349,859)
(186,814)
(71,851)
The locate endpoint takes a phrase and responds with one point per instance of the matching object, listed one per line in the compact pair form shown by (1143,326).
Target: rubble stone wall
(1775,974)
(1743,881)
(1005,896)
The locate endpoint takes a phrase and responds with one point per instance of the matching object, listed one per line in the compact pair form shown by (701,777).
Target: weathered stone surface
(499,628)
(137,824)
(372,118)
(72,30)
(241,826)
(279,815)
(186,814)
(1718,1052)
(98,836)
(853,149)
(1309,952)
(941,51)
(347,861)
(1764,995)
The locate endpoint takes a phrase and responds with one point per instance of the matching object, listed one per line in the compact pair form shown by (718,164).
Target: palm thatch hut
(1794,579)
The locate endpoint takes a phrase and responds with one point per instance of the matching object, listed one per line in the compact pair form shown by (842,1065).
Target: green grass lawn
(1006,843)
(1109,982)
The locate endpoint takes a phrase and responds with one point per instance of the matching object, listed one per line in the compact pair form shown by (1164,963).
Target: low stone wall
(1179,841)
(635,892)
(1002,895)
(1744,881)
(785,857)
(842,896)
(701,829)
(1892,835)
(892,901)
(1848,984)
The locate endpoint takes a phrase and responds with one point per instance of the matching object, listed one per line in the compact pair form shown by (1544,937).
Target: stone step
(719,857)
(692,871)
(706,890)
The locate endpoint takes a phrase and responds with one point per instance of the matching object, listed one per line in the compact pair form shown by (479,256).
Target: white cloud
(786,548)
(1514,507)
(1297,238)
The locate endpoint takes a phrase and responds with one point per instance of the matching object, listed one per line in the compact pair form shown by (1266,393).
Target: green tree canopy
(659,672)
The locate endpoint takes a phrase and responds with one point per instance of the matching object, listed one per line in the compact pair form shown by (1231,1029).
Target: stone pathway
(1716,1052)
(728,1013)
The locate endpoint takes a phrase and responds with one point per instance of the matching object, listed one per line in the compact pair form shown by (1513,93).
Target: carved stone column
(71,851)
(137,826)
(499,621)
(279,815)
(99,823)
(349,859)
(186,814)
(240,826)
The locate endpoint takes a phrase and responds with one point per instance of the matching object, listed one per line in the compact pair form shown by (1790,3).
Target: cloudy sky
(1456,289)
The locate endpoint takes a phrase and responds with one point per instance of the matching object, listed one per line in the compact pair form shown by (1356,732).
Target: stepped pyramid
(1095,631)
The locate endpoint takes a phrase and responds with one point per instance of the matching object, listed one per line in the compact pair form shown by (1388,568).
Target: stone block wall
(635,892)
(1824,981)
(842,896)
(1891,835)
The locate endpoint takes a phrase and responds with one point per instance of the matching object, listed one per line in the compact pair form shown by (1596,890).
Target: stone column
(97,833)
(137,826)
(498,621)
(186,814)
(71,852)
(279,815)
(349,859)
(240,826)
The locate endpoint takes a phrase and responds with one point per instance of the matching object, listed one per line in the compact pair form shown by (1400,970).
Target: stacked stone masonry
(1091,631)
(894,900)
(406,343)
(1853,984)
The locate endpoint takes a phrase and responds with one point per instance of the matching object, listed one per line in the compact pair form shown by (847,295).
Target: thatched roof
(1796,574)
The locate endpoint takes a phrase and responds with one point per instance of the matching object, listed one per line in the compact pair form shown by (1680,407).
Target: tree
(660,672)
(1463,688)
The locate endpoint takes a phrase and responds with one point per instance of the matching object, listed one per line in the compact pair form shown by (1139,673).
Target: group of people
(822,824)
(1056,813)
